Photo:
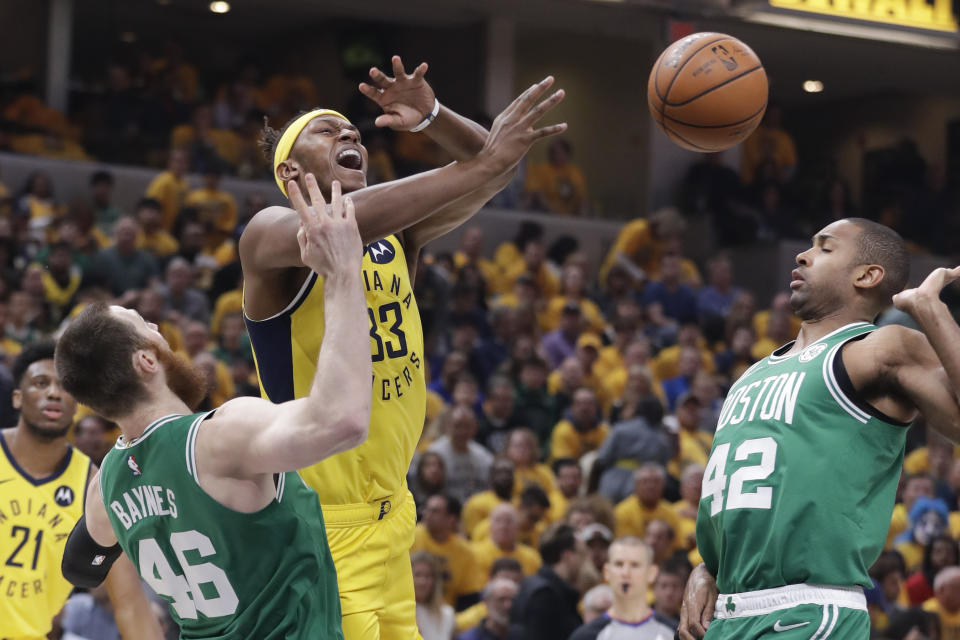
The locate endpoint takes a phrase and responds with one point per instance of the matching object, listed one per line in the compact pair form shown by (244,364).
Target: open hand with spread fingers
(406,98)
(514,131)
(927,295)
(328,236)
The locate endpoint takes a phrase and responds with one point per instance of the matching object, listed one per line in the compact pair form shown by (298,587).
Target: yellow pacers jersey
(36,516)
(286,346)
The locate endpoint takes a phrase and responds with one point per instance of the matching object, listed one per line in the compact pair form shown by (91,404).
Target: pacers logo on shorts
(63,496)
(380,252)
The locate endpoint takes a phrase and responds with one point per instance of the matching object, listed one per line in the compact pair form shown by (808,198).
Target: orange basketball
(707,92)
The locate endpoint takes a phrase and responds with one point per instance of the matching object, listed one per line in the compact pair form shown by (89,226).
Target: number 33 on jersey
(802,477)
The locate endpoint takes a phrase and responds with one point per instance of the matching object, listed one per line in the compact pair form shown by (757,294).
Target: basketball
(707,92)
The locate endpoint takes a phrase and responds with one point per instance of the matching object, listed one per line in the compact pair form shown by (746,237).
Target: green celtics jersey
(226,574)
(802,478)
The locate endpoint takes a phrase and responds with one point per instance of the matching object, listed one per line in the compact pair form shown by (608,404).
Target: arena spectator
(716,298)
(123,267)
(640,244)
(630,444)
(566,380)
(629,571)
(232,341)
(668,591)
(940,553)
(523,451)
(61,279)
(480,505)
(454,365)
(170,187)
(504,542)
(152,236)
(547,602)
(557,185)
(532,263)
(581,430)
(429,479)
(180,296)
(928,519)
(90,436)
(497,416)
(677,300)
(596,602)
(885,596)
(706,389)
(498,596)
(470,253)
(946,601)
(434,617)
(770,147)
(533,405)
(914,486)
(661,537)
(101,195)
(688,365)
(503,568)
(573,290)
(686,508)
(647,504)
(437,533)
(217,208)
(467,463)
(693,444)
(597,539)
(561,343)
(569,478)
(150,305)
(532,508)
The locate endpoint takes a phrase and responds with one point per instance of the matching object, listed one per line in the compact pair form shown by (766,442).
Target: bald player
(369,512)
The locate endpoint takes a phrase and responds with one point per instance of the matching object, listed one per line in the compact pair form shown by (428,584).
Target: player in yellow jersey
(368,511)
(43,481)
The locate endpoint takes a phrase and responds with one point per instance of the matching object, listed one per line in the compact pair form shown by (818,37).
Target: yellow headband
(290,136)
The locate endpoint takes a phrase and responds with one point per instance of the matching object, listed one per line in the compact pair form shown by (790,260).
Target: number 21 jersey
(802,477)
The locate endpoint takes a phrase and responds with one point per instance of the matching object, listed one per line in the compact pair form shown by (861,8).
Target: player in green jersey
(801,481)
(209,506)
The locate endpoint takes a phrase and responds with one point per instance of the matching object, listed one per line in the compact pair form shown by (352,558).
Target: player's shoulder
(889,344)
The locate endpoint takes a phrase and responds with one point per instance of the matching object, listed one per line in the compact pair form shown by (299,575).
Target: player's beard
(183,378)
(47,433)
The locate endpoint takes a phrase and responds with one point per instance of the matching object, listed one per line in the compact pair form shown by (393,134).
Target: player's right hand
(328,236)
(513,132)
(699,601)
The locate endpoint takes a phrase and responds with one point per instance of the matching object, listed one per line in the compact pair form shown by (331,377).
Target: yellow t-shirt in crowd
(912,555)
(686,525)
(159,243)
(486,553)
(764,144)
(548,283)
(761,319)
(632,517)
(567,442)
(471,617)
(899,521)
(665,365)
(949,622)
(550,318)
(465,578)
(217,208)
(171,192)
(489,270)
(564,189)
(530,538)
(538,474)
(478,508)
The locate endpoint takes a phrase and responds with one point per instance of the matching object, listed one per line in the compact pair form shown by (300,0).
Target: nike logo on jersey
(7,480)
(777,627)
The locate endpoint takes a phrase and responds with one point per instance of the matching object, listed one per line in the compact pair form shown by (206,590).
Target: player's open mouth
(350,159)
(625,586)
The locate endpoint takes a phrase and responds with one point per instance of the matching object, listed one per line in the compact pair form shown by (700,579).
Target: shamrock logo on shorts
(730,606)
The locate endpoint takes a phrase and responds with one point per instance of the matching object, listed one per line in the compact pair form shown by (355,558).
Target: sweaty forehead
(840,230)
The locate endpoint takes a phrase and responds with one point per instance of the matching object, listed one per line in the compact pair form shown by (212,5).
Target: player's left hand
(406,99)
(928,293)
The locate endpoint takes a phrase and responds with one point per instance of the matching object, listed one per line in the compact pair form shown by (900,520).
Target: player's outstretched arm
(268,242)
(407,99)
(248,436)
(131,609)
(699,601)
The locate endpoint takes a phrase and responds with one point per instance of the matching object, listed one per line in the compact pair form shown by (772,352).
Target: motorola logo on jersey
(380,252)
(63,496)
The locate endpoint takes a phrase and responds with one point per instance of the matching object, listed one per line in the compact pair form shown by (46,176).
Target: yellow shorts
(371,544)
